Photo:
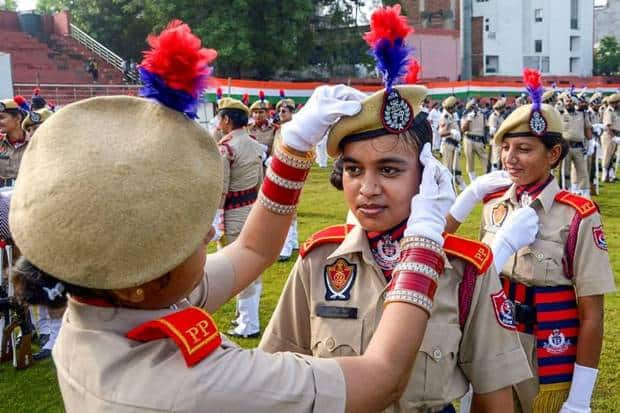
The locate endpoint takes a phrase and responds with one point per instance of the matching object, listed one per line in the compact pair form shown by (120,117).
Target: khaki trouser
(577,158)
(609,149)
(473,149)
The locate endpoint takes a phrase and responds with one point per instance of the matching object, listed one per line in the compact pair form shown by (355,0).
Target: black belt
(525,311)
(240,199)
(451,141)
(476,138)
(575,144)
(7,182)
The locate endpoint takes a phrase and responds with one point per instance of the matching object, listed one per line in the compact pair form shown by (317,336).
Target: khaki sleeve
(608,119)
(289,327)
(491,355)
(587,121)
(216,286)
(225,170)
(239,380)
(591,266)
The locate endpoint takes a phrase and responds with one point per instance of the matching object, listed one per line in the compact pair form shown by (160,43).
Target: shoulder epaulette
(474,252)
(495,194)
(584,206)
(330,235)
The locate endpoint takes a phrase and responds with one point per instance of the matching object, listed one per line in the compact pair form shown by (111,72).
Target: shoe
(42,355)
(283,258)
(43,339)
(233,333)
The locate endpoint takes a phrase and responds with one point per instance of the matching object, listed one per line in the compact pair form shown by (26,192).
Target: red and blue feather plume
(533,83)
(22,103)
(386,38)
(176,70)
(261,96)
(245,99)
(218,93)
(282,94)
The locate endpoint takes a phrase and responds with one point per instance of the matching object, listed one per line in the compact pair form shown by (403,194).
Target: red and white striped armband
(284,180)
(414,278)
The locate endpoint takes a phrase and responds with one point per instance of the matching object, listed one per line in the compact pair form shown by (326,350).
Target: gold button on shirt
(313,319)
(100,370)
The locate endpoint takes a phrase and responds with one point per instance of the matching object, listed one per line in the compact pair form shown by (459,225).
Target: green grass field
(35,389)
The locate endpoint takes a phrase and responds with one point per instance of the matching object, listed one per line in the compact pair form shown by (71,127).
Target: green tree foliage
(8,5)
(50,6)
(607,57)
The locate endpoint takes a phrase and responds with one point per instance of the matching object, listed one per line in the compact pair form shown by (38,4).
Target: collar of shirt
(545,198)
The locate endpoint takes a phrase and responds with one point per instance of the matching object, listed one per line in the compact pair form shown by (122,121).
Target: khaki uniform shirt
(264,134)
(494,122)
(100,370)
(595,116)
(10,158)
(243,169)
(540,264)
(476,123)
(611,119)
(484,353)
(448,122)
(574,125)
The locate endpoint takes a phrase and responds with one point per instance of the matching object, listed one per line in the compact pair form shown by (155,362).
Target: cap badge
(397,115)
(538,124)
(35,117)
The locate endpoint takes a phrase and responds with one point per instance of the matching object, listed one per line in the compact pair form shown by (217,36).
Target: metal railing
(100,50)
(63,94)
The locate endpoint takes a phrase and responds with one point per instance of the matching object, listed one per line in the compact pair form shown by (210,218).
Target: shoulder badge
(495,194)
(474,252)
(330,235)
(192,329)
(505,310)
(339,278)
(599,237)
(584,206)
(225,150)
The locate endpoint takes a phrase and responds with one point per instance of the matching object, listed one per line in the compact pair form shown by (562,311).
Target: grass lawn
(35,389)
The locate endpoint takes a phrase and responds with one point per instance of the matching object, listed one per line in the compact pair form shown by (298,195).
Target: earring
(139,292)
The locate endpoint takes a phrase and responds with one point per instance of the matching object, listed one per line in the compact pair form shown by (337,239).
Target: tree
(607,57)
(8,5)
(51,6)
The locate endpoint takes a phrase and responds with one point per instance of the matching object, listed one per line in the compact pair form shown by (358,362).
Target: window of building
(544,64)
(492,64)
(574,14)
(575,42)
(487,24)
(574,65)
(531,61)
(537,46)
(538,15)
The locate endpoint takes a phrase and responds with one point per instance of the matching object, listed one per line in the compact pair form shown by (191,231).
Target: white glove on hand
(616,140)
(580,390)
(518,231)
(476,191)
(430,206)
(456,134)
(218,225)
(492,131)
(591,147)
(597,128)
(326,105)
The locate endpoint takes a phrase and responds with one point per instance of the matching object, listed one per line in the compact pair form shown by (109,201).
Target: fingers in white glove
(476,191)
(518,231)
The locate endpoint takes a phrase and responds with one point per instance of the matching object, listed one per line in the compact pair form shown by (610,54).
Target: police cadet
(609,138)
(335,294)
(451,140)
(261,128)
(556,284)
(494,122)
(474,142)
(34,119)
(125,234)
(243,174)
(549,97)
(595,143)
(285,109)
(577,131)
(13,143)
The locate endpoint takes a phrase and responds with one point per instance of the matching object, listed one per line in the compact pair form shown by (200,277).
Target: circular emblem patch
(397,115)
(538,124)
(35,117)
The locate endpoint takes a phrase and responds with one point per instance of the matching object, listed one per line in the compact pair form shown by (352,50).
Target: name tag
(328,311)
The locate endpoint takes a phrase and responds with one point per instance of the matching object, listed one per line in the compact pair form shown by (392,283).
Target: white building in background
(606,19)
(555,36)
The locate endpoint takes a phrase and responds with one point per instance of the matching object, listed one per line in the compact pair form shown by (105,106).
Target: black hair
(335,178)
(238,118)
(551,141)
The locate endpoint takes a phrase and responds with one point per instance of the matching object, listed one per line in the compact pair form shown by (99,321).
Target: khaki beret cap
(548,95)
(36,118)
(370,117)
(519,122)
(115,192)
(614,98)
(286,102)
(449,102)
(500,104)
(260,105)
(7,104)
(230,103)
(596,98)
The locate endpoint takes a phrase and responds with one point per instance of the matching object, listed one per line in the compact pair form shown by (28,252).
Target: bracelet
(274,207)
(418,268)
(416,242)
(413,281)
(287,156)
(411,297)
(423,256)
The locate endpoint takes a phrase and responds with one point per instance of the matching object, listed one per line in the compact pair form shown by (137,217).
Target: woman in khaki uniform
(122,227)
(494,122)
(13,143)
(474,142)
(557,283)
(609,138)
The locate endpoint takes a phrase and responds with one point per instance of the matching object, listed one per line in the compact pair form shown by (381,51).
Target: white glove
(456,134)
(430,206)
(326,105)
(218,224)
(492,130)
(597,128)
(267,162)
(591,147)
(580,390)
(616,140)
(518,231)
(476,191)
